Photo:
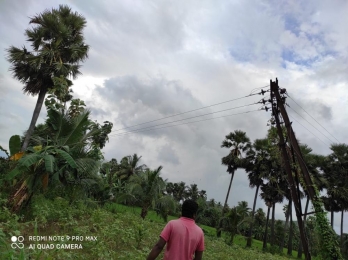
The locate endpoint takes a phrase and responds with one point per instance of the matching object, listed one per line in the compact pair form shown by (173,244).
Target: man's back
(183,238)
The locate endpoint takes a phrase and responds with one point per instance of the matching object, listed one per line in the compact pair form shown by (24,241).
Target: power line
(141,129)
(186,123)
(314,135)
(313,118)
(309,130)
(189,118)
(190,111)
(310,124)
(258,88)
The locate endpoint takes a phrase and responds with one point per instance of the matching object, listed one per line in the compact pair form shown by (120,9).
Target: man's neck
(188,218)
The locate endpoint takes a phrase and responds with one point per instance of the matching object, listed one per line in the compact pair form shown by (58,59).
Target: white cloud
(153,59)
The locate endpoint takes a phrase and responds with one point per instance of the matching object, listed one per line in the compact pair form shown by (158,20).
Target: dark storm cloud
(168,97)
(137,100)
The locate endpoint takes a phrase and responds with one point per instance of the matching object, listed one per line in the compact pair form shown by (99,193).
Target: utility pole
(278,106)
(294,143)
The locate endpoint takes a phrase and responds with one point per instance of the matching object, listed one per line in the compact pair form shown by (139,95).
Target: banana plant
(35,168)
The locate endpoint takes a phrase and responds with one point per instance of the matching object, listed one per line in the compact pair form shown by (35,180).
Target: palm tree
(129,166)
(271,193)
(336,174)
(269,206)
(256,164)
(170,188)
(239,143)
(260,217)
(192,192)
(179,191)
(202,194)
(234,218)
(212,203)
(148,188)
(58,47)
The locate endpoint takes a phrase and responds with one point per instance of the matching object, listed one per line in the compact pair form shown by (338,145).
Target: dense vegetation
(55,178)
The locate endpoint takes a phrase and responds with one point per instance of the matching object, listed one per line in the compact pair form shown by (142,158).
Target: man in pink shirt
(182,236)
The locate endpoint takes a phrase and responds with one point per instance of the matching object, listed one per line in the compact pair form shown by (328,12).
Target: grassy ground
(121,234)
(211,232)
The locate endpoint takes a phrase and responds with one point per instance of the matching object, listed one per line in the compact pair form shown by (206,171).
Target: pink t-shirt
(183,238)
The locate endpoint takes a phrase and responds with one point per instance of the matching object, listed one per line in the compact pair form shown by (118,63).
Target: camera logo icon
(17,242)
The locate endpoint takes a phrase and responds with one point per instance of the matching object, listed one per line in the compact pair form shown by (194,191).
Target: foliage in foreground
(121,235)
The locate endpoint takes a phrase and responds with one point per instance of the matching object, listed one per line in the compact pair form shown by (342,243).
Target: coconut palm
(236,217)
(57,49)
(179,191)
(259,220)
(212,203)
(170,188)
(192,192)
(147,189)
(202,194)
(238,143)
(129,166)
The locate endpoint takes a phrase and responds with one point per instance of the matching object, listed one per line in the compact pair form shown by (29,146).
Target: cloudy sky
(154,59)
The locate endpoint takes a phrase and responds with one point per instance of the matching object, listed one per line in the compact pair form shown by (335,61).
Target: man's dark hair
(189,208)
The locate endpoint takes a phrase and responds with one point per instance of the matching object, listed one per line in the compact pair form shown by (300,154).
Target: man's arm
(198,255)
(157,249)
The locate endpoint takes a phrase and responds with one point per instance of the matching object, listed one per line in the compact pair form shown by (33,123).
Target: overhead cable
(186,123)
(309,131)
(313,118)
(191,110)
(311,124)
(190,118)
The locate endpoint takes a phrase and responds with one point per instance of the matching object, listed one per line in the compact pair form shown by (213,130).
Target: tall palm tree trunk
(229,188)
(290,231)
(225,205)
(266,230)
(285,227)
(299,253)
(252,218)
(342,229)
(34,118)
(272,225)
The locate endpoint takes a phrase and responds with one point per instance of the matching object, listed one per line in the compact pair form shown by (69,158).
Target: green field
(120,232)
(209,231)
